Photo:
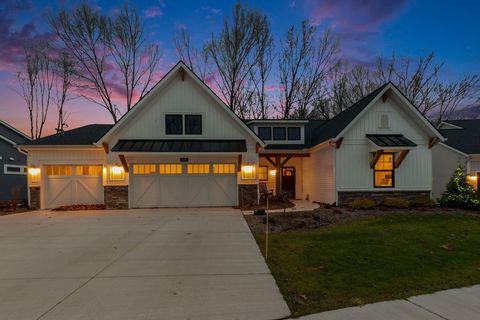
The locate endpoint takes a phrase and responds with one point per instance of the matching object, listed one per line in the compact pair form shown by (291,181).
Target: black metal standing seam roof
(466,139)
(178,145)
(391,140)
(86,135)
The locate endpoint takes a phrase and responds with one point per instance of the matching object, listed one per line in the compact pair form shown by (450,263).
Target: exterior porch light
(34,174)
(472,178)
(248,171)
(273,172)
(117,173)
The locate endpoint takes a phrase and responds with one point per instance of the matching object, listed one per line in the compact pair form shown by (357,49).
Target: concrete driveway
(134,264)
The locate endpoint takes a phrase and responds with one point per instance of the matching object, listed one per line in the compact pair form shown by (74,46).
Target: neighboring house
(462,147)
(181,146)
(13,164)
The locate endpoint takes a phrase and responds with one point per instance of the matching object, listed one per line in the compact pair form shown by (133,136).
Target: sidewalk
(453,304)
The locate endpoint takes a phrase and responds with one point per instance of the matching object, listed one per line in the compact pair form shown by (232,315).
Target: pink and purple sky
(366,29)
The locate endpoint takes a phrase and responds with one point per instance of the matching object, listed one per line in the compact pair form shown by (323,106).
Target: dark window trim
(166,126)
(185,123)
(299,133)
(270,130)
(273,133)
(259,173)
(392,171)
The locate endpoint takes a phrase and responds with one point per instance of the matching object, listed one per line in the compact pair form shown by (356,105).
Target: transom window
(263,173)
(279,133)
(293,133)
(198,168)
(223,168)
(88,170)
(170,168)
(384,171)
(265,133)
(183,124)
(144,168)
(59,170)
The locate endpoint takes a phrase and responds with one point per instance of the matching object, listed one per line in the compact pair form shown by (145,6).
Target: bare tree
(195,59)
(234,53)
(64,68)
(101,47)
(36,83)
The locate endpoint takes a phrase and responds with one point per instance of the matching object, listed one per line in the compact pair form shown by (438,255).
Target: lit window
(263,173)
(88,170)
(248,172)
(144,168)
(384,172)
(170,168)
(201,168)
(117,173)
(223,168)
(59,170)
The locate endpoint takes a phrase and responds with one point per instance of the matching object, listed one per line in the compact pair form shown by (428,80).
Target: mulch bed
(325,217)
(11,207)
(81,207)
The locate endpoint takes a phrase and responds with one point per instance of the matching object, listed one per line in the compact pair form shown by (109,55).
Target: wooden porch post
(278,176)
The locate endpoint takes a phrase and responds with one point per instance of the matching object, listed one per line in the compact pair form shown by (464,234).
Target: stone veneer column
(115,197)
(247,195)
(34,197)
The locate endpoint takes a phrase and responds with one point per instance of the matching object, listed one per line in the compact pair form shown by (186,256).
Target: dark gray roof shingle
(467,139)
(12,135)
(86,135)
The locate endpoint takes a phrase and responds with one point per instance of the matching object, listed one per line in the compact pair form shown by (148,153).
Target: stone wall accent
(247,195)
(34,197)
(344,197)
(116,197)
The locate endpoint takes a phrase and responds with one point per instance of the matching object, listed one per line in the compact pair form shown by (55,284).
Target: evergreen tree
(459,193)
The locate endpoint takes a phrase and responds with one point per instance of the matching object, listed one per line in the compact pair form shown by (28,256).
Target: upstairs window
(173,124)
(279,133)
(193,124)
(384,171)
(293,133)
(265,133)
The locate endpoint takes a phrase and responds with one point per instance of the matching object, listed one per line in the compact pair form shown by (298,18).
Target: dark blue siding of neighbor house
(12,186)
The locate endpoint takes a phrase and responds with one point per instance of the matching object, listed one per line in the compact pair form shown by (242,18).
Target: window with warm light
(117,173)
(384,174)
(59,170)
(88,170)
(248,172)
(263,173)
(198,168)
(170,168)
(223,168)
(144,168)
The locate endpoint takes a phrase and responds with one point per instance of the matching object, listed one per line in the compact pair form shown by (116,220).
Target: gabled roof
(11,134)
(83,136)
(465,139)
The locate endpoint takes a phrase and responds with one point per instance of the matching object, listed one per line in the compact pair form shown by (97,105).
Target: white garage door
(183,185)
(70,185)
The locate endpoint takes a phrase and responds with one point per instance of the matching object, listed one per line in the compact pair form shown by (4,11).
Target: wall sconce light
(34,173)
(117,173)
(273,172)
(472,178)
(248,172)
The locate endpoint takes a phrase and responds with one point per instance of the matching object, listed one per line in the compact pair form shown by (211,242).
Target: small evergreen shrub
(362,204)
(397,203)
(459,193)
(422,202)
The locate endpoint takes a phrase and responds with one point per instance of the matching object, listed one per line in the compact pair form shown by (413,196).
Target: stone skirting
(247,195)
(116,197)
(344,197)
(34,197)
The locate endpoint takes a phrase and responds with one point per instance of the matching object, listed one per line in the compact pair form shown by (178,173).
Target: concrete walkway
(134,264)
(453,304)
(300,205)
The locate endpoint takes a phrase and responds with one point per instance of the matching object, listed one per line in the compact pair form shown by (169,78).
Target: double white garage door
(183,185)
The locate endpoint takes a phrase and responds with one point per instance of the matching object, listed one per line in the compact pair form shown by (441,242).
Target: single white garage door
(71,185)
(183,185)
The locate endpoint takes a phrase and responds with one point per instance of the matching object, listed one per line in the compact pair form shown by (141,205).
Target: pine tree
(459,193)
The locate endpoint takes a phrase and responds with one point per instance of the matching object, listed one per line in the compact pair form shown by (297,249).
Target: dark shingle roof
(86,135)
(467,139)
(11,133)
(180,145)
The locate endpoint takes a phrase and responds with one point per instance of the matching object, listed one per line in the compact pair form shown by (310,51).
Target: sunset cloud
(154,11)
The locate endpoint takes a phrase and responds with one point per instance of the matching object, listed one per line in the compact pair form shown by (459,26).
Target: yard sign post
(266,234)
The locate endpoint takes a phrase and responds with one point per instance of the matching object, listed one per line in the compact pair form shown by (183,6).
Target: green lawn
(374,259)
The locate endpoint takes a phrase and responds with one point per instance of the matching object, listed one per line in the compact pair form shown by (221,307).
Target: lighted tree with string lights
(459,193)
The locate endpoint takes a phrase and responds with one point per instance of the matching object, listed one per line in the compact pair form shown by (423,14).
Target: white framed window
(14,169)
(144,168)
(59,170)
(223,168)
(198,168)
(170,168)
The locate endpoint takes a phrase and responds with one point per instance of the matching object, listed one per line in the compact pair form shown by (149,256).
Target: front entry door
(288,181)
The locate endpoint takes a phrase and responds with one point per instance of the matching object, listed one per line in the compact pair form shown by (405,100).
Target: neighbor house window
(265,133)
(173,124)
(170,168)
(88,170)
(59,170)
(200,168)
(193,124)
(293,133)
(223,168)
(14,169)
(384,172)
(263,173)
(279,133)
(144,168)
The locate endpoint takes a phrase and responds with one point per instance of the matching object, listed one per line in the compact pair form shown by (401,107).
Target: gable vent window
(279,133)
(193,124)
(383,121)
(173,124)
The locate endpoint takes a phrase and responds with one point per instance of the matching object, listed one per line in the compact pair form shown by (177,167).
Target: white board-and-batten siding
(319,177)
(353,172)
(66,156)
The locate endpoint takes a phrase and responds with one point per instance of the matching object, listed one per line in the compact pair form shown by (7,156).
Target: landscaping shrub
(459,193)
(362,204)
(422,202)
(397,203)
(259,212)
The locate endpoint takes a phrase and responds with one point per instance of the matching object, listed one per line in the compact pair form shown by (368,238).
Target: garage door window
(59,170)
(144,168)
(198,168)
(223,168)
(170,168)
(89,171)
